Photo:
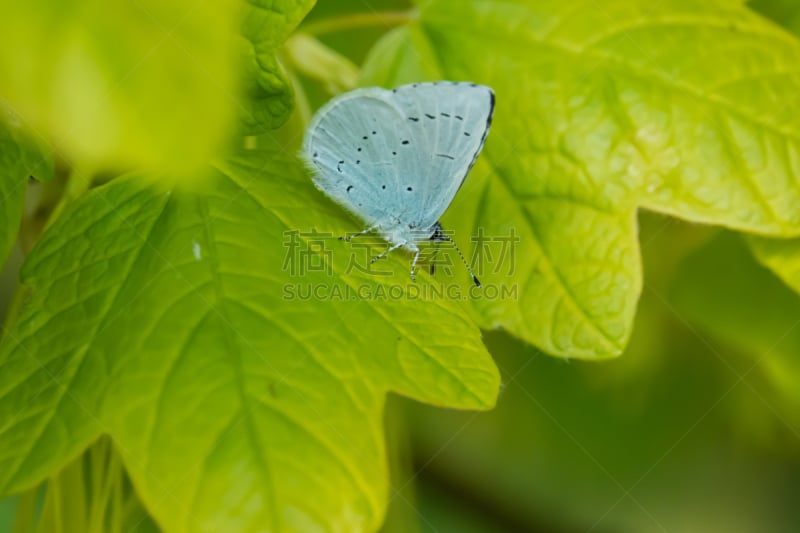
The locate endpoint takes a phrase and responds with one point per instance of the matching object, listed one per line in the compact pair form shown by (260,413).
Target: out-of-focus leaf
(344,38)
(331,23)
(115,82)
(267,24)
(179,324)
(782,256)
(600,111)
(726,293)
(90,494)
(20,159)
(314,60)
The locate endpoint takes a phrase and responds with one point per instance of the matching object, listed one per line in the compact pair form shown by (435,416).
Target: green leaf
(144,83)
(20,158)
(782,256)
(92,494)
(171,321)
(602,109)
(315,60)
(267,24)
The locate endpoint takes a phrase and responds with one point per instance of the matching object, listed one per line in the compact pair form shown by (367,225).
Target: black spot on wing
(430,116)
(349,187)
(446,115)
(450,157)
(404,142)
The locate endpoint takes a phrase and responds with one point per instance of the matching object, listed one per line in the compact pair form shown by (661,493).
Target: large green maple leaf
(603,108)
(167,320)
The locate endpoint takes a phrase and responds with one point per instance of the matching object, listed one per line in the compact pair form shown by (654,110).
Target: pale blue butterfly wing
(354,154)
(449,124)
(397,157)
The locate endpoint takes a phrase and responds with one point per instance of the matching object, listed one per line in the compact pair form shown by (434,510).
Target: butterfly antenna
(463,259)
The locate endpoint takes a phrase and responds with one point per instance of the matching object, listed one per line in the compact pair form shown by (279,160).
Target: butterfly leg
(432,268)
(414,264)
(440,235)
(437,237)
(362,232)
(387,251)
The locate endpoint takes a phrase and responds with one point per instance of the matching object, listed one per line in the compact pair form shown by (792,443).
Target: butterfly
(396,158)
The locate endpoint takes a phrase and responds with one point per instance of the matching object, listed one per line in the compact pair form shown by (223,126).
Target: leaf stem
(388,19)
